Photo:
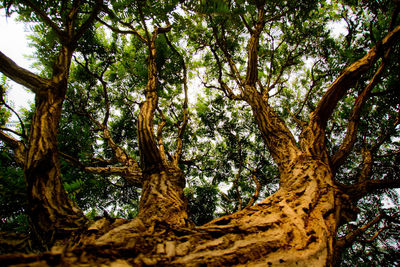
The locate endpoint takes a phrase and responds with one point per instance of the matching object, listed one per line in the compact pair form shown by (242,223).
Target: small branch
(376,234)
(185,119)
(85,26)
(235,182)
(246,24)
(160,141)
(309,90)
(3,102)
(366,170)
(385,136)
(257,192)
(221,44)
(46,19)
(224,87)
(132,174)
(369,186)
(347,240)
(389,154)
(117,30)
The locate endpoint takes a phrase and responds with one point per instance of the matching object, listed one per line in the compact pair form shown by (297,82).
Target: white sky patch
(338,29)
(14,44)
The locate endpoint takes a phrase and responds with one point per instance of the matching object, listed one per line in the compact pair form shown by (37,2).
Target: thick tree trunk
(163,201)
(51,212)
(296,226)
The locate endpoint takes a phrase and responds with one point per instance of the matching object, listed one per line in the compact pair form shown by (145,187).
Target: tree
(284,102)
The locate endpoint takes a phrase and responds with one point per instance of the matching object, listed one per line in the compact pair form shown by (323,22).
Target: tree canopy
(211,132)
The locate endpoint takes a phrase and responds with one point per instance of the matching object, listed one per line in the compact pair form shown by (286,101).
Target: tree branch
(17,146)
(3,102)
(85,26)
(256,194)
(221,44)
(347,240)
(349,76)
(150,156)
(224,87)
(22,76)
(132,174)
(352,126)
(117,30)
(252,66)
(46,19)
(366,187)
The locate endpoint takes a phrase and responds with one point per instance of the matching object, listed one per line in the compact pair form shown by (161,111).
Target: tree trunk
(296,226)
(51,212)
(163,200)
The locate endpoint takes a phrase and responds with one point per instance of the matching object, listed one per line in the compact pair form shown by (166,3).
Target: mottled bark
(294,227)
(52,213)
(162,199)
(275,133)
(17,146)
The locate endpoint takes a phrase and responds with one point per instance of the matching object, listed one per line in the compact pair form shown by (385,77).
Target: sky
(14,44)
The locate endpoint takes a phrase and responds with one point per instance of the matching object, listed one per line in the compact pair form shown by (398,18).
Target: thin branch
(11,131)
(46,19)
(389,154)
(347,240)
(85,26)
(185,119)
(309,90)
(376,234)
(103,83)
(160,141)
(235,182)
(366,170)
(384,136)
(117,30)
(3,102)
(256,194)
(221,44)
(132,174)
(368,186)
(246,24)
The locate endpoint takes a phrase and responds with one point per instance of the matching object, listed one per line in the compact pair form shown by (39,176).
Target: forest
(202,133)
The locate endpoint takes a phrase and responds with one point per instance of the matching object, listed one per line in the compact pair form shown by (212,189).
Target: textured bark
(275,133)
(52,213)
(162,200)
(296,226)
(17,146)
(150,157)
